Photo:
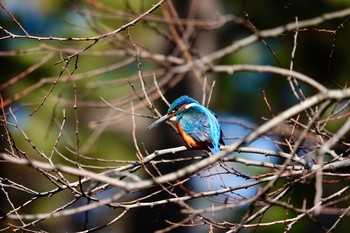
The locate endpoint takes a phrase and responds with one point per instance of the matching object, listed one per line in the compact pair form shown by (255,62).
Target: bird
(197,125)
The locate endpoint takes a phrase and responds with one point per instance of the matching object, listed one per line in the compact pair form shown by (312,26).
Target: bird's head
(178,107)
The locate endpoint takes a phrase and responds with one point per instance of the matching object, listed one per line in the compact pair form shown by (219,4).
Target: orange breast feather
(189,140)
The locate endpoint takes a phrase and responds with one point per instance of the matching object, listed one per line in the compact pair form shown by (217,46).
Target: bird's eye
(174,110)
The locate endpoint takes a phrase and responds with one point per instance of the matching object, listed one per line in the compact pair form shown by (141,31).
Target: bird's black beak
(160,120)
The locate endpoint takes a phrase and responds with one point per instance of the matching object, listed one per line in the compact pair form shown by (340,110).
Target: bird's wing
(221,141)
(196,124)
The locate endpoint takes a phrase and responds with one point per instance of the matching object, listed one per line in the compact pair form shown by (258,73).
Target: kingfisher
(197,125)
